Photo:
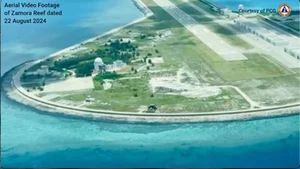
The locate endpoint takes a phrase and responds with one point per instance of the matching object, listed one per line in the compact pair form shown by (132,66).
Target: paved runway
(221,47)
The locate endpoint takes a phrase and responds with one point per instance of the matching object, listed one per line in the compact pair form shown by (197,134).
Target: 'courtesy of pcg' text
(30,13)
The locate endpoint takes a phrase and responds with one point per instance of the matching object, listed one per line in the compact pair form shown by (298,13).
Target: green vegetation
(130,94)
(97,85)
(258,76)
(71,63)
(229,36)
(84,69)
(222,31)
(257,66)
(206,6)
(272,91)
(83,64)
(107,75)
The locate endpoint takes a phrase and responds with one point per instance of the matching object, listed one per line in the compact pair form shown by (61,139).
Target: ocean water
(255,4)
(32,138)
(80,21)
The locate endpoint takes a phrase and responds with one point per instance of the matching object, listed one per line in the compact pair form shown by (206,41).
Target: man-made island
(185,60)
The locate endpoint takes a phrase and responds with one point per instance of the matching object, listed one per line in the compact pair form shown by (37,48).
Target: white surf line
(213,41)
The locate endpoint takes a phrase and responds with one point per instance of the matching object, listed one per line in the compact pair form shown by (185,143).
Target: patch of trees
(72,62)
(25,77)
(84,69)
(107,75)
(117,50)
(122,46)
(114,50)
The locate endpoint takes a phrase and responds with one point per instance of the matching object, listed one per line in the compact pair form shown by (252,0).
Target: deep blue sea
(31,138)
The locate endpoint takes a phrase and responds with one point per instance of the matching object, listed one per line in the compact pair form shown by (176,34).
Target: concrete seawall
(20,95)
(16,92)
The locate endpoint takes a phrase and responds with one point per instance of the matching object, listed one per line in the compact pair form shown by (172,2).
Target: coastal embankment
(23,97)
(12,86)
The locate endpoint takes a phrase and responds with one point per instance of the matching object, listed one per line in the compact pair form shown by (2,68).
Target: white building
(263,33)
(99,66)
(241,7)
(225,11)
(294,51)
(232,15)
(90,99)
(118,64)
(45,69)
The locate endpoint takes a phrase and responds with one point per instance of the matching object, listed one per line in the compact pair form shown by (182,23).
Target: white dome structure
(98,64)
(241,6)
(98,60)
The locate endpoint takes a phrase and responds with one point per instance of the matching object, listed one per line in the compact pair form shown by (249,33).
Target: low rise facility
(294,51)
(263,33)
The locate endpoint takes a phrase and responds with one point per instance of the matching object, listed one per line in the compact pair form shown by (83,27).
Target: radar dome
(99,61)
(241,6)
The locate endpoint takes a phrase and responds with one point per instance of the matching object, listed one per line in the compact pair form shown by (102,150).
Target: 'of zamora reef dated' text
(30,13)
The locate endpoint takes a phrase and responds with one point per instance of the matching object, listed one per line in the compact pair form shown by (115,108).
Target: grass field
(222,31)
(228,36)
(260,78)
(272,91)
(257,66)
(206,7)
(129,95)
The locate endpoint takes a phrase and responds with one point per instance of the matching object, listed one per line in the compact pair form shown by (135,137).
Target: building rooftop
(98,60)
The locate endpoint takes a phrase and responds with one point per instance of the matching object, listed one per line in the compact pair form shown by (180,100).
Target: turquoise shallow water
(31,138)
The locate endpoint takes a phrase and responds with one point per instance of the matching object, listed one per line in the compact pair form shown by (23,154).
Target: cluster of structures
(43,71)
(90,99)
(101,67)
(227,12)
(294,51)
(289,18)
(276,39)
(164,33)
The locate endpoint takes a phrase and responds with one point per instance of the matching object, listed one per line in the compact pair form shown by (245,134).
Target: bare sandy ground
(174,85)
(71,84)
(157,60)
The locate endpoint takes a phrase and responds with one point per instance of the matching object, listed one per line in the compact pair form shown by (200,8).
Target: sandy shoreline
(19,94)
